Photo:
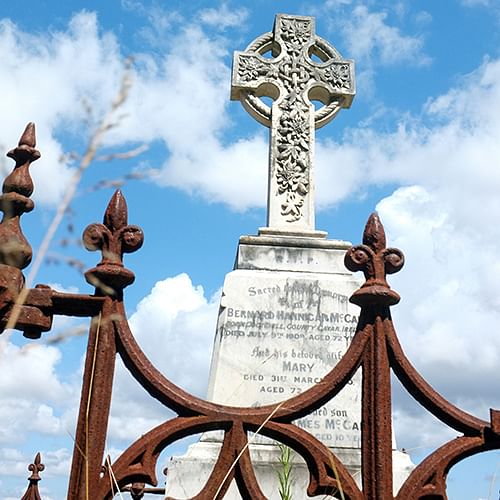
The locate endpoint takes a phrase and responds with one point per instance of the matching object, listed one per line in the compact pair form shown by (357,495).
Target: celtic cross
(293,79)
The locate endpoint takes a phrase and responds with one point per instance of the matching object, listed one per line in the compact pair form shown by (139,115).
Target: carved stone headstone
(294,79)
(285,319)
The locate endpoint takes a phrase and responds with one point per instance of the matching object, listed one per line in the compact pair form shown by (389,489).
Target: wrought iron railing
(375,349)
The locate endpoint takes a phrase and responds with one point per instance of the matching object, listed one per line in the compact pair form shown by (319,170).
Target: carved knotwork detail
(292,78)
(113,238)
(294,69)
(293,146)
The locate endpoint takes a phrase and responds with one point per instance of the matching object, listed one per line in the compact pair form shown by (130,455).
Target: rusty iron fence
(375,349)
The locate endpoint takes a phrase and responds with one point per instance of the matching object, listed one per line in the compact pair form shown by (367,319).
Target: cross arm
(253,72)
(334,79)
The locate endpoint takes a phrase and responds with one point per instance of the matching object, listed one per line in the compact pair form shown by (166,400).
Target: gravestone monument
(285,319)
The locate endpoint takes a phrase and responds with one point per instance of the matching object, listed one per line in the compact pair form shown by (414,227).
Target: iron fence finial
(32,492)
(375,260)
(113,238)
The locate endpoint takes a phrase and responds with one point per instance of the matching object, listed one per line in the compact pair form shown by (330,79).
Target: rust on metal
(113,238)
(495,421)
(138,490)
(15,200)
(36,467)
(15,250)
(375,260)
(375,349)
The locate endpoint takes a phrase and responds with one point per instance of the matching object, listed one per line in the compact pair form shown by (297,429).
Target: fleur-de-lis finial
(375,260)
(15,250)
(113,238)
(36,467)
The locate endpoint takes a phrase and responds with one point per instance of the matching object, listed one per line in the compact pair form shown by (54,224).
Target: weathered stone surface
(201,457)
(292,254)
(293,79)
(182,483)
(279,333)
(285,320)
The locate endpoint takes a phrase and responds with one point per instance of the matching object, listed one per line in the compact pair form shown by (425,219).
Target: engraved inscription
(282,337)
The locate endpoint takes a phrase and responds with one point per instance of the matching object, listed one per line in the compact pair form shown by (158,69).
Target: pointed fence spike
(374,233)
(116,215)
(32,492)
(28,138)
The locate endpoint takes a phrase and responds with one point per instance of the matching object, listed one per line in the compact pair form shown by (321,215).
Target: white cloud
(446,314)
(423,17)
(177,316)
(29,406)
(63,289)
(372,40)
(160,21)
(57,462)
(182,96)
(333,4)
(35,365)
(184,100)
(41,82)
(475,3)
(452,147)
(175,326)
(431,433)
(12,461)
(223,17)
(15,463)
(368,35)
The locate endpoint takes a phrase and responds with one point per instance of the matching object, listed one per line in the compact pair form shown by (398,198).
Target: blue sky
(420,144)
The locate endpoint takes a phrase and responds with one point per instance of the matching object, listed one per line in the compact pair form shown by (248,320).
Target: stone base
(268,231)
(188,474)
(296,254)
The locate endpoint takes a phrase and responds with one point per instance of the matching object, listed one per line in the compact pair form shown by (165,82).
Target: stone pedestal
(285,321)
(189,473)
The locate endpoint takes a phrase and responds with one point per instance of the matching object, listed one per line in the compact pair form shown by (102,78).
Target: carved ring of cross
(261,111)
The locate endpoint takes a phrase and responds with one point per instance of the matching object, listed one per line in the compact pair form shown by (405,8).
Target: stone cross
(293,79)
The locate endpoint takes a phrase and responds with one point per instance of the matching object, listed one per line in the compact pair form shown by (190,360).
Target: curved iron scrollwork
(375,349)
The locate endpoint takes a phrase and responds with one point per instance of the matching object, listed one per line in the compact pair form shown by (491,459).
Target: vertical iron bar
(376,429)
(95,403)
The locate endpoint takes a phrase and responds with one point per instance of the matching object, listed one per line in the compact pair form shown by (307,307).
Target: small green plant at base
(284,472)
